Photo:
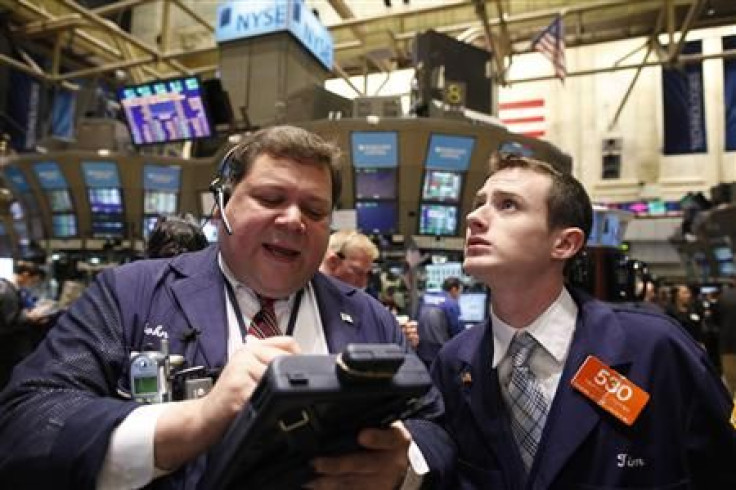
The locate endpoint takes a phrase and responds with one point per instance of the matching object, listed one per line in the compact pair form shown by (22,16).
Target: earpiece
(217,188)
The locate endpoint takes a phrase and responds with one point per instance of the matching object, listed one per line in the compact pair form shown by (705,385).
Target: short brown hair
(290,142)
(568,203)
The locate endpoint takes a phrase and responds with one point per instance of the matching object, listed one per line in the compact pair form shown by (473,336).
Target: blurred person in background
(172,235)
(682,308)
(349,258)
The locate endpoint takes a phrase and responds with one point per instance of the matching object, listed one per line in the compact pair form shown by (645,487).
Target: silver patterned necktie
(527,404)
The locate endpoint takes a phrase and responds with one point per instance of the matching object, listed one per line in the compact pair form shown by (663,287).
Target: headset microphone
(219,195)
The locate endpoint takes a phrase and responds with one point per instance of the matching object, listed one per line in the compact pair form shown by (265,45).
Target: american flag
(525,116)
(551,43)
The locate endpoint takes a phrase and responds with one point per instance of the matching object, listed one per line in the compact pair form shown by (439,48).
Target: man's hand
(187,429)
(381,466)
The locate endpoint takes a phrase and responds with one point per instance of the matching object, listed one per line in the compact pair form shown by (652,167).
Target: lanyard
(239,314)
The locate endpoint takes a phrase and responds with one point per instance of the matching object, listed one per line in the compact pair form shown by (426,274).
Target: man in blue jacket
(558,390)
(67,419)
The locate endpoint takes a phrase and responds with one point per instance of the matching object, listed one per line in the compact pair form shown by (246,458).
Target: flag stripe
(525,117)
(517,120)
(551,44)
(521,104)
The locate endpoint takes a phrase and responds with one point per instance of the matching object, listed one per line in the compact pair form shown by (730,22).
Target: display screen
(378,217)
(375,149)
(375,183)
(101,174)
(448,152)
(441,185)
(159,202)
(473,307)
(60,200)
(162,111)
(149,222)
(64,225)
(107,225)
(145,384)
(102,200)
(722,253)
(438,219)
(610,231)
(437,273)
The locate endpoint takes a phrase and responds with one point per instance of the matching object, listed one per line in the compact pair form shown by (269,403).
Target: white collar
(553,329)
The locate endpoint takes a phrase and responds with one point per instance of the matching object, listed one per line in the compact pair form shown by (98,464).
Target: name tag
(610,390)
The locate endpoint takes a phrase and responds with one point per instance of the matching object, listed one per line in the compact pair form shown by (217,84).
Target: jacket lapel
(340,322)
(484,398)
(200,293)
(573,416)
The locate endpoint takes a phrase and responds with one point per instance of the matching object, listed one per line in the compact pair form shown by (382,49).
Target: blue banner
(449,152)
(374,149)
(684,107)
(24,104)
(62,114)
(729,93)
(49,175)
(162,178)
(101,174)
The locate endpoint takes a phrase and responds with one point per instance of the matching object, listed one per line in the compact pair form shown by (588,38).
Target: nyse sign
(240,20)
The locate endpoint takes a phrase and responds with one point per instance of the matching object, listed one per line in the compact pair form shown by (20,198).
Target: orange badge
(610,390)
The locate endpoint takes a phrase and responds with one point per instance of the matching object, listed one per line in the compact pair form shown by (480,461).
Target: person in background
(349,258)
(546,393)
(682,308)
(727,335)
(235,306)
(172,235)
(19,325)
(439,320)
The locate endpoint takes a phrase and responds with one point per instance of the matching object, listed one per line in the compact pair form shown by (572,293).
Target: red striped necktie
(264,324)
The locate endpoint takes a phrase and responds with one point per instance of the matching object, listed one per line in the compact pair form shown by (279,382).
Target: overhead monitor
(60,200)
(437,273)
(162,111)
(376,217)
(442,185)
(101,174)
(515,148)
(108,225)
(372,149)
(64,225)
(473,307)
(105,200)
(49,175)
(449,152)
(162,177)
(16,179)
(159,202)
(438,219)
(375,183)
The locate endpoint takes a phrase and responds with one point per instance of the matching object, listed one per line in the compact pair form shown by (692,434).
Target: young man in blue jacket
(558,390)
(67,419)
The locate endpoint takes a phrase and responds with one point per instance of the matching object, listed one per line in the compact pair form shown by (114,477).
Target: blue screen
(449,152)
(610,231)
(378,217)
(102,200)
(165,110)
(107,225)
(159,202)
(442,185)
(64,225)
(375,148)
(60,200)
(375,183)
(438,219)
(473,307)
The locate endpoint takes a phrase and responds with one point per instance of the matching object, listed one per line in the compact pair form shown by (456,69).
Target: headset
(220,189)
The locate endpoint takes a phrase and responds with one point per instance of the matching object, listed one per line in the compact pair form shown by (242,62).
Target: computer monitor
(149,222)
(375,183)
(376,217)
(437,273)
(473,307)
(108,225)
(610,231)
(449,152)
(724,260)
(159,202)
(105,200)
(442,185)
(64,225)
(49,175)
(60,200)
(374,149)
(438,219)
(162,111)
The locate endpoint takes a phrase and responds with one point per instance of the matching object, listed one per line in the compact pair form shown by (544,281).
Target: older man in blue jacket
(67,419)
(558,390)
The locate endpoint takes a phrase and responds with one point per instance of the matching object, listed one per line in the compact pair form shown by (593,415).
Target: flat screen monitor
(162,111)
(610,231)
(376,217)
(105,200)
(375,183)
(473,307)
(60,200)
(449,152)
(64,225)
(438,219)
(108,225)
(722,253)
(371,149)
(49,175)
(101,174)
(442,185)
(437,273)
(148,223)
(159,202)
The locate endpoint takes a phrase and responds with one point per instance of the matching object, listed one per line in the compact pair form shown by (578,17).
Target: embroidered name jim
(157,331)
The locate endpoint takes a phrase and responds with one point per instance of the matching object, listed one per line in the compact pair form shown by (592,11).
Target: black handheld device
(309,405)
